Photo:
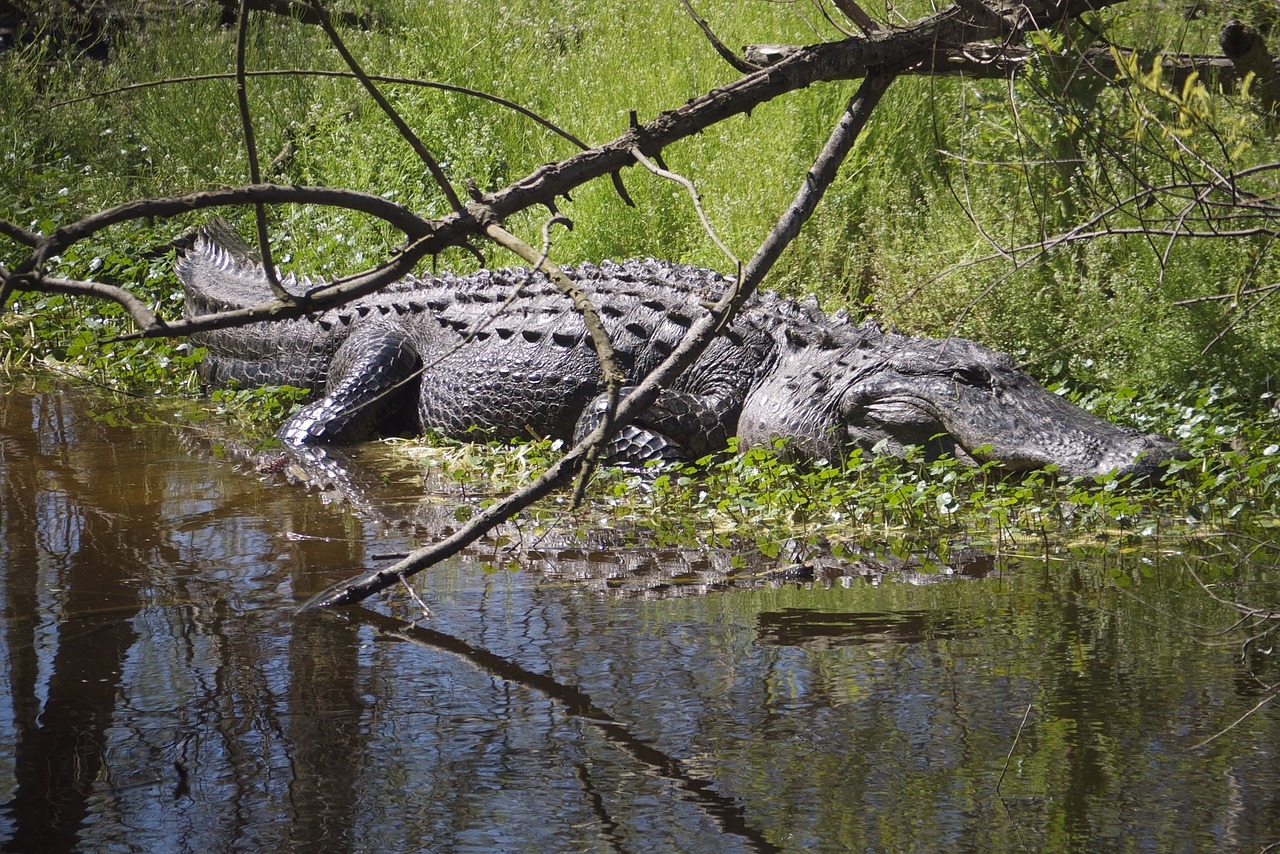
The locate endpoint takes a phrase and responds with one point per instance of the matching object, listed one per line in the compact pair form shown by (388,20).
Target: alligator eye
(973,375)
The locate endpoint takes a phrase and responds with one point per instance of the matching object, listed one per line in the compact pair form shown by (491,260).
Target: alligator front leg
(373,377)
(677,427)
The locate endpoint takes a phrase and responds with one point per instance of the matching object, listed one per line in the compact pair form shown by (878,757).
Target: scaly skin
(500,354)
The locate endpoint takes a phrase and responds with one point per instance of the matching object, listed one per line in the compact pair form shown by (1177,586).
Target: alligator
(501,354)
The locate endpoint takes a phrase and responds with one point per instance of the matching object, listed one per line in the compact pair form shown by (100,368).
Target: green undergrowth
(1229,483)
(87,340)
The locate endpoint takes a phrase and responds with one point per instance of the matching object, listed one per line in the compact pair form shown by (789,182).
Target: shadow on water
(164,696)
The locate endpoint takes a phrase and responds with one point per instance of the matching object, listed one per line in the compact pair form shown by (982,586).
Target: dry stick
(1265,289)
(1014,746)
(18,234)
(323,72)
(406,132)
(414,226)
(419,230)
(613,375)
(739,64)
(1237,721)
(137,309)
(815,184)
(697,204)
(251,151)
(854,13)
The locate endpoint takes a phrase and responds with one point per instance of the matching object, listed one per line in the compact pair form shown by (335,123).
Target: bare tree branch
(142,316)
(861,19)
(613,375)
(18,233)
(697,205)
(851,123)
(401,125)
(739,64)
(251,151)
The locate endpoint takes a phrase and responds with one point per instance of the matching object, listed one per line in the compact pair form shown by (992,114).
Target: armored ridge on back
(500,354)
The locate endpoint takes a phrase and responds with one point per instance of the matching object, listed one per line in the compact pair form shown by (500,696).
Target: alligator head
(865,388)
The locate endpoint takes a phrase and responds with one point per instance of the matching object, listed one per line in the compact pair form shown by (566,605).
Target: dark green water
(161,694)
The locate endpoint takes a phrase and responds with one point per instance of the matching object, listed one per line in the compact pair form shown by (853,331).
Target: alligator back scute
(531,369)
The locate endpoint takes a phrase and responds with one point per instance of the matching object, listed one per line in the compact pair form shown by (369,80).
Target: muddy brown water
(162,693)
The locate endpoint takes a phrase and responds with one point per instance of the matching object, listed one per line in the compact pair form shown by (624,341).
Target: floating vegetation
(1230,481)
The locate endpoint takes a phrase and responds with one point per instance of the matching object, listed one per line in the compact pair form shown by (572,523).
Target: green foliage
(1231,480)
(80,338)
(258,410)
(948,169)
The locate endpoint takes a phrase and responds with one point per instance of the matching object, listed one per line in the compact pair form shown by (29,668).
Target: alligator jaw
(1053,432)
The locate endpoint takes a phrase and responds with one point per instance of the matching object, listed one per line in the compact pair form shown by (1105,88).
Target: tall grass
(946,169)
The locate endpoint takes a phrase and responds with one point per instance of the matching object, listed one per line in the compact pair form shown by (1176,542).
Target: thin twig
(413,594)
(406,132)
(697,202)
(1237,721)
(346,75)
(251,151)
(739,64)
(137,309)
(1265,289)
(861,19)
(612,373)
(1012,747)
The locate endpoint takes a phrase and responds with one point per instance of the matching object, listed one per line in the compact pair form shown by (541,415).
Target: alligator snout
(1151,461)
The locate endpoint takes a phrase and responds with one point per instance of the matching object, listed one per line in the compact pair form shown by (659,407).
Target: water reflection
(816,629)
(164,696)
